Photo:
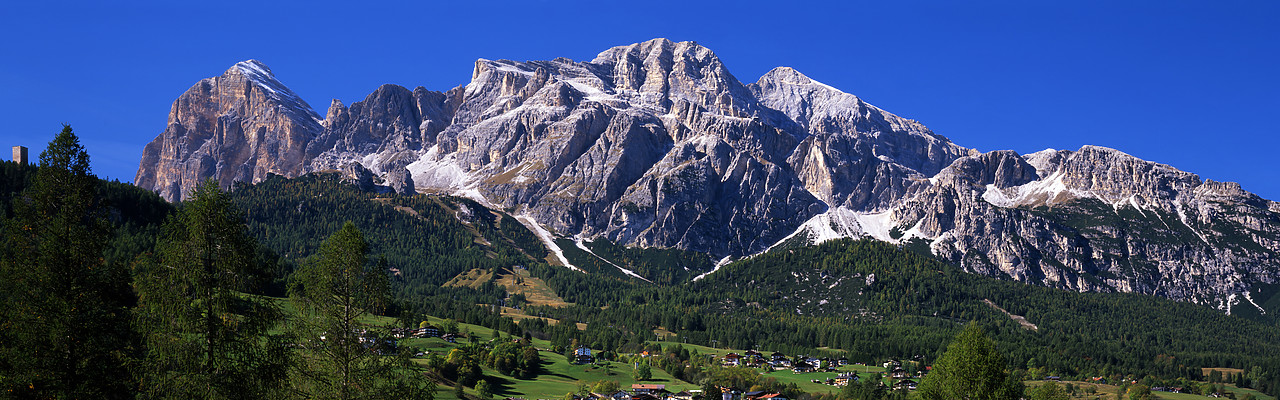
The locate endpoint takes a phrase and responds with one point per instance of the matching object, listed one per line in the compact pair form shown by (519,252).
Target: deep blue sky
(1190,84)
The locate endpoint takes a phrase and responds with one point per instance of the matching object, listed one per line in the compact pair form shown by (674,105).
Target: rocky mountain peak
(258,76)
(787,76)
(677,75)
(240,126)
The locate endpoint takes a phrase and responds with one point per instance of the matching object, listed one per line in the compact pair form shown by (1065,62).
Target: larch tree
(206,337)
(64,317)
(344,358)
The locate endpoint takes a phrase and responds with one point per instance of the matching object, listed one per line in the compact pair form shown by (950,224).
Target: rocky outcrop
(658,144)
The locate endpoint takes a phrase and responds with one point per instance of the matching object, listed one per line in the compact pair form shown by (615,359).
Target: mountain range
(657,145)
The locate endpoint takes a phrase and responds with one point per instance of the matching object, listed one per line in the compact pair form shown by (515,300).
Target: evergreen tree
(343,359)
(971,368)
(205,338)
(64,320)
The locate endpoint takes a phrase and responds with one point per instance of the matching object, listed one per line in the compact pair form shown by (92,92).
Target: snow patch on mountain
(840,222)
(1248,296)
(1048,191)
(723,261)
(582,245)
(548,240)
(434,171)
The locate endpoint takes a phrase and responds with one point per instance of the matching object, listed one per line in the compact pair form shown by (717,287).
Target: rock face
(240,126)
(656,144)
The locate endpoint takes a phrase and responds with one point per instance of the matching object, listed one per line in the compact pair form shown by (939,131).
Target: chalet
(906,384)
(777,356)
(429,331)
(619,395)
(772,396)
(583,356)
(781,364)
(645,388)
(732,359)
(728,393)
(802,367)
(753,395)
(644,396)
(449,337)
(842,361)
(847,378)
(682,395)
(898,373)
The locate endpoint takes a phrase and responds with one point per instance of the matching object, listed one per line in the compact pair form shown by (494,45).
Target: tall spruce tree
(344,358)
(970,369)
(206,338)
(64,318)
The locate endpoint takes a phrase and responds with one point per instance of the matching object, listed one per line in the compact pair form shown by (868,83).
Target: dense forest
(102,278)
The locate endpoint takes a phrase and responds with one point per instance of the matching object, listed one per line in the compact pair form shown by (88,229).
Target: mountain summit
(657,144)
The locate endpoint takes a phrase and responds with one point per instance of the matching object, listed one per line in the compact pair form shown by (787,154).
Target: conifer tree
(64,320)
(344,358)
(206,338)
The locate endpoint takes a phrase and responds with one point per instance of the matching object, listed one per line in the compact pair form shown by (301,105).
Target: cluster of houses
(779,361)
(641,391)
(805,364)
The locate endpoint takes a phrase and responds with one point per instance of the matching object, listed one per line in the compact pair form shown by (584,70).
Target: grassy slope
(1108,392)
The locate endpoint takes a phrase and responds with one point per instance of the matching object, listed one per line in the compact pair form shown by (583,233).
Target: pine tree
(342,359)
(64,320)
(206,338)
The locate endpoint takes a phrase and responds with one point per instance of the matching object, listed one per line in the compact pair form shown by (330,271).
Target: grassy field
(1107,392)
(560,377)
(534,289)
(805,381)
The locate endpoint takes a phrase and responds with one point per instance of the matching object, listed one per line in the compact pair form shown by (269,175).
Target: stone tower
(20,155)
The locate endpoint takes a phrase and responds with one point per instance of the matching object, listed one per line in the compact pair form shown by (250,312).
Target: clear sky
(1192,84)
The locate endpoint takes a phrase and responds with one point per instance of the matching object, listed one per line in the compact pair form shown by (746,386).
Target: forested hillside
(867,299)
(424,240)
